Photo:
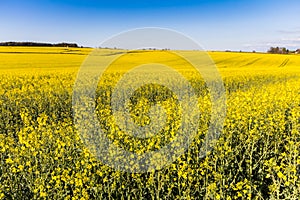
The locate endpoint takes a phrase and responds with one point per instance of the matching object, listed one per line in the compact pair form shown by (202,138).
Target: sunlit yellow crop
(43,157)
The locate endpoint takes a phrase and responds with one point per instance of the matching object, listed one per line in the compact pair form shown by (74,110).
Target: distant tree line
(38,44)
(278,50)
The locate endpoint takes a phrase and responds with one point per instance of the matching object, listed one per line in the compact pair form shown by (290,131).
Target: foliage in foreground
(256,157)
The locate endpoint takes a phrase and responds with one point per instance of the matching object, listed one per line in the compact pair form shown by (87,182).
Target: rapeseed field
(43,156)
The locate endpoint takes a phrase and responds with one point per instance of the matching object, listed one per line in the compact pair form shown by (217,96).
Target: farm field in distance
(43,157)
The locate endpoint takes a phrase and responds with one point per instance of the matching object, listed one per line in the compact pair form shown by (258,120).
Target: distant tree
(283,50)
(271,50)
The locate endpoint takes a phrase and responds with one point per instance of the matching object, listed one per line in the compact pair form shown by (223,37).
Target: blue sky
(216,25)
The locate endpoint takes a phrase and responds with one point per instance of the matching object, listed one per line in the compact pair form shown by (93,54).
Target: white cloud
(294,31)
(291,43)
(295,40)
